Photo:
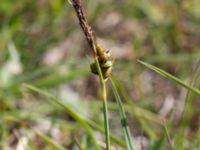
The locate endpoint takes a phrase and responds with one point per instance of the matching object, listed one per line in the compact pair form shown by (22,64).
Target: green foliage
(72,113)
(164,34)
(123,119)
(169,76)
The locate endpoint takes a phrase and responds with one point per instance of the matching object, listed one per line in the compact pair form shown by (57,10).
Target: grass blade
(70,111)
(169,76)
(123,118)
(188,110)
(158,145)
(48,140)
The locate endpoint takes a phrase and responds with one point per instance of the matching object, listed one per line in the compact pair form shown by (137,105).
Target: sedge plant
(102,66)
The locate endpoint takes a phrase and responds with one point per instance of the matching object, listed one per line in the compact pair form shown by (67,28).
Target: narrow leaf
(70,111)
(123,118)
(48,140)
(169,76)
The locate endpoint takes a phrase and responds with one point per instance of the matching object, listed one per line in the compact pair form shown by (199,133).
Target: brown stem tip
(77,4)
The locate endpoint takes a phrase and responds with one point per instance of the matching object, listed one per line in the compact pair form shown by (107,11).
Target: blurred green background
(41,43)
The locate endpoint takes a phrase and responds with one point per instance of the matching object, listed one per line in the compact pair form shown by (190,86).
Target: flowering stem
(105,105)
(77,4)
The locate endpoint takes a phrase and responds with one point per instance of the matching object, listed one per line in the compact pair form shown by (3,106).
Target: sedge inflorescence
(105,62)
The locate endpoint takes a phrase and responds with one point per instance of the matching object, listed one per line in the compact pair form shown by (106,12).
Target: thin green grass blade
(147,128)
(143,122)
(123,118)
(158,145)
(188,110)
(190,97)
(170,141)
(70,111)
(49,140)
(169,76)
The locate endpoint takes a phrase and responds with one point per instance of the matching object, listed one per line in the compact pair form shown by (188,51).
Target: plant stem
(105,106)
(106,125)
(77,4)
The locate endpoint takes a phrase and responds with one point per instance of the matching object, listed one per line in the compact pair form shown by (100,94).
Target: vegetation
(49,99)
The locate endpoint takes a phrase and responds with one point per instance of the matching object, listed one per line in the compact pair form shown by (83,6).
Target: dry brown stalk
(84,25)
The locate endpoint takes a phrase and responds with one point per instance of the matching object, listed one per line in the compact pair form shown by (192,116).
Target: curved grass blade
(123,118)
(48,140)
(71,112)
(169,76)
